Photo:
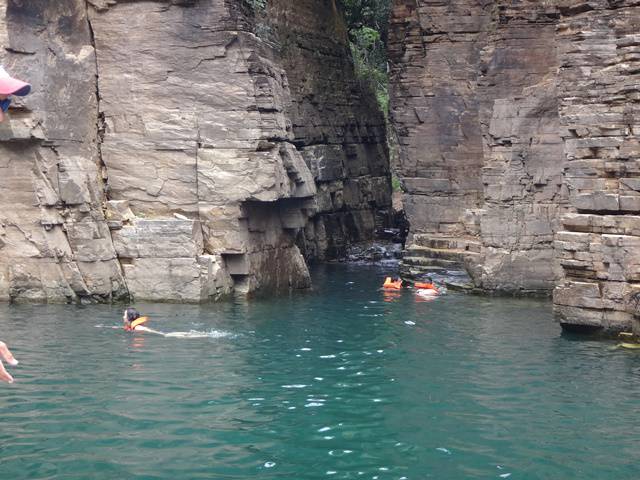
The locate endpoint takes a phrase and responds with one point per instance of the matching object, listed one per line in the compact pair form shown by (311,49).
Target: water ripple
(317,385)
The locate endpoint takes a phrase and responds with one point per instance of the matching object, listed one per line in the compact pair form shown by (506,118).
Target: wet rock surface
(374,252)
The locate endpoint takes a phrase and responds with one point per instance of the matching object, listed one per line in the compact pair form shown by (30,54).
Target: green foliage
(368,13)
(367,21)
(256,5)
(371,75)
(395,184)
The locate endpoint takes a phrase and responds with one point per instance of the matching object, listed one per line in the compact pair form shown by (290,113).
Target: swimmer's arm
(142,328)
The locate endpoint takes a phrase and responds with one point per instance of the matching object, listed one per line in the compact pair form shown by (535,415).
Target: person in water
(5,354)
(391,284)
(10,86)
(133,322)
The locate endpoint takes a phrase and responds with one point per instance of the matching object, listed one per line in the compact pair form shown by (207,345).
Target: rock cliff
(474,98)
(336,123)
(181,150)
(599,244)
(516,122)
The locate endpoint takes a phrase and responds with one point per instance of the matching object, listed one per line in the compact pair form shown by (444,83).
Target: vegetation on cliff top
(368,22)
(368,25)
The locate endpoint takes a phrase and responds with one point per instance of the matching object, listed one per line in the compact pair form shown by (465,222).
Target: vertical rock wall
(475,105)
(599,246)
(337,125)
(54,240)
(523,150)
(435,57)
(551,96)
(163,152)
(194,127)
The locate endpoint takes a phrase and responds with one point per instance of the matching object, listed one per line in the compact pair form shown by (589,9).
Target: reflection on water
(347,381)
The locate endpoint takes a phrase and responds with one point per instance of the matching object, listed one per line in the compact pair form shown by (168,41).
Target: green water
(336,383)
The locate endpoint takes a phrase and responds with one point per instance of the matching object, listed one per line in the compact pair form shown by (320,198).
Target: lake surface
(340,382)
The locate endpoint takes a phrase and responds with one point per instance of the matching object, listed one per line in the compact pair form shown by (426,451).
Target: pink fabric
(12,86)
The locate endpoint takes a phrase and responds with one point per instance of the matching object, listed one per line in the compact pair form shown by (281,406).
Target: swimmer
(390,284)
(133,322)
(5,354)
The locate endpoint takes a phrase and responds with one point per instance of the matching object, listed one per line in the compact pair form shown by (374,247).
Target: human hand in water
(6,355)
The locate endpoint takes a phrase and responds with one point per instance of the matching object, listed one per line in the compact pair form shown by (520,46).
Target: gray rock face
(524,115)
(55,244)
(598,246)
(169,153)
(474,100)
(336,124)
(202,130)
(435,54)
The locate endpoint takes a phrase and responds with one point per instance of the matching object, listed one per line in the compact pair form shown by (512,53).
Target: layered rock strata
(475,104)
(158,157)
(524,195)
(599,246)
(435,53)
(55,243)
(535,141)
(194,124)
(336,122)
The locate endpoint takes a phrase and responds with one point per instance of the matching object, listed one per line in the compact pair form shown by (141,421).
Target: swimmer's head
(130,314)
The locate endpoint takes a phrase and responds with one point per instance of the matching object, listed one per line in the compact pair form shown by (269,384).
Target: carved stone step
(417,271)
(441,253)
(453,243)
(430,262)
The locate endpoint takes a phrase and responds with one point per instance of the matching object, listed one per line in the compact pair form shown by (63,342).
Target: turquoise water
(336,383)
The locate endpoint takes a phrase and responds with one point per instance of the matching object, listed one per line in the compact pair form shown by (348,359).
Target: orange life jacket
(428,286)
(390,284)
(138,321)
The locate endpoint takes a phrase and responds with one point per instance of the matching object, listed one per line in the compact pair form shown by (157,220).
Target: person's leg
(6,355)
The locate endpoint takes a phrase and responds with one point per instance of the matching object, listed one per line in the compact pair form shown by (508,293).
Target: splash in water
(189,334)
